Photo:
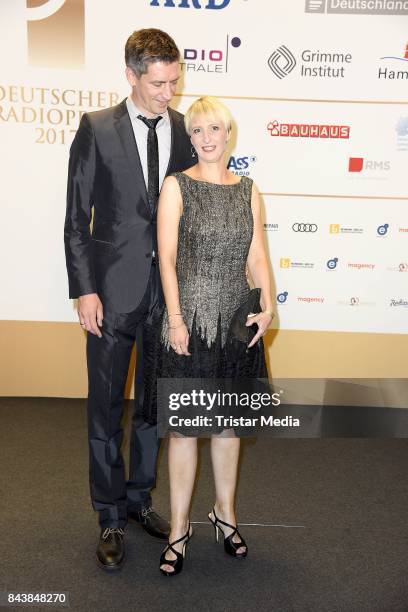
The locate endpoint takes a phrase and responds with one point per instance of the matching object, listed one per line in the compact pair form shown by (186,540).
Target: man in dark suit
(118,161)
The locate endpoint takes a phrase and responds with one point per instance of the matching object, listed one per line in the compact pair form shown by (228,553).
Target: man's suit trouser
(108,363)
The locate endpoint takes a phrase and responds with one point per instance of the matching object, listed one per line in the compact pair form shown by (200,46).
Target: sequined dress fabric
(215,234)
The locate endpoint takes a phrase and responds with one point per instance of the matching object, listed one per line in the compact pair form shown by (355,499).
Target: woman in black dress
(209,233)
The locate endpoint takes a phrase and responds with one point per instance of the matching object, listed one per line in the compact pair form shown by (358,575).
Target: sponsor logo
(325,64)
(358,7)
(50,43)
(197,4)
(361,266)
(382,229)
(271,227)
(315,6)
(55,39)
(281,62)
(336,228)
(402,134)
(359,164)
(310,300)
(303,130)
(304,227)
(403,230)
(399,65)
(355,301)
(282,297)
(402,267)
(356,164)
(241,165)
(399,302)
(208,60)
(286,263)
(332,263)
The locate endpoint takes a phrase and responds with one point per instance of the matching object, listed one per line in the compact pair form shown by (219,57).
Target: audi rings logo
(305,227)
(281,62)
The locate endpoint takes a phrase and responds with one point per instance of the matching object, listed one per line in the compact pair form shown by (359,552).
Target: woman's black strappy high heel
(177,563)
(230,546)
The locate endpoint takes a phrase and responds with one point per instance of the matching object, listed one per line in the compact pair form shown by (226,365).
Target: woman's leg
(182,471)
(225,455)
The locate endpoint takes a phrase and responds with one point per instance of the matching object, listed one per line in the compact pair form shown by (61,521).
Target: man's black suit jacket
(105,173)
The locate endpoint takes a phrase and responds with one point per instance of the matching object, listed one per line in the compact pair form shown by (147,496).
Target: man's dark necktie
(152,161)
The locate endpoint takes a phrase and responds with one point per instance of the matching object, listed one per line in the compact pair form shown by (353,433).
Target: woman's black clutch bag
(239,335)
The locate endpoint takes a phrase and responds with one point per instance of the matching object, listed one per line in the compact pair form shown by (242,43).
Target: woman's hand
(263,320)
(178,337)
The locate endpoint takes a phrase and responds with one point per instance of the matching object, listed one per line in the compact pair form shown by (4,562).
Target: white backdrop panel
(225,52)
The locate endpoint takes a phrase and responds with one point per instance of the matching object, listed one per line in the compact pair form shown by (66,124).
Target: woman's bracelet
(269,312)
(176,326)
(176,314)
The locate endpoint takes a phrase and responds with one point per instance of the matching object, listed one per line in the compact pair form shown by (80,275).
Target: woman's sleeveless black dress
(215,234)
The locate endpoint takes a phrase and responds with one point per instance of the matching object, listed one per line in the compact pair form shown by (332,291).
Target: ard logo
(197,4)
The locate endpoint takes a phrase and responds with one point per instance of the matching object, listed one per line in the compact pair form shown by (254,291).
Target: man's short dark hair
(145,47)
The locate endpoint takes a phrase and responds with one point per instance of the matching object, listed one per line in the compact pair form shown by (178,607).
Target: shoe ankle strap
(185,536)
(217,520)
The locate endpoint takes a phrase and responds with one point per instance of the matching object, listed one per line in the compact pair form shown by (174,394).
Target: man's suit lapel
(177,132)
(124,128)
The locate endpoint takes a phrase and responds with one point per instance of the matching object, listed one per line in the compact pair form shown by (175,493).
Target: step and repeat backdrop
(318,90)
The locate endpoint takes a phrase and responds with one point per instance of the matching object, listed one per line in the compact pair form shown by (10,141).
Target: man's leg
(144,442)
(108,363)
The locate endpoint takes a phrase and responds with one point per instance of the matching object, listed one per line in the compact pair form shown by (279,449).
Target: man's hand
(90,312)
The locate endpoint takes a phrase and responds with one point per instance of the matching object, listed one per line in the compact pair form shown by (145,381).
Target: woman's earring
(193,152)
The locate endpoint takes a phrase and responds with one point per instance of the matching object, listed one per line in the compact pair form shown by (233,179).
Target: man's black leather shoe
(110,553)
(151,522)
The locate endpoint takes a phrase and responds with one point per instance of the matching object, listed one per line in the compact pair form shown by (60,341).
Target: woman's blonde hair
(208,105)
